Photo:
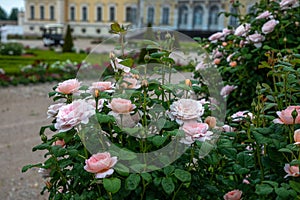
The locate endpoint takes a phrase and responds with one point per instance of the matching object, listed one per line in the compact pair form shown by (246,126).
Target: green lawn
(13,64)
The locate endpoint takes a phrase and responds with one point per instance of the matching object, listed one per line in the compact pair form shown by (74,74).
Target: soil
(23,112)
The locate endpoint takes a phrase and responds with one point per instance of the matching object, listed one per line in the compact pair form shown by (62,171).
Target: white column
(205,16)
(190,16)
(60,11)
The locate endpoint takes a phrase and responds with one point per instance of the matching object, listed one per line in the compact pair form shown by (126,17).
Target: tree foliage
(68,41)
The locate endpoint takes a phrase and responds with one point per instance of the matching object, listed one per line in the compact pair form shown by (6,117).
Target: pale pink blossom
(264,15)
(100,164)
(130,83)
(297,137)
(226,31)
(53,109)
(257,39)
(201,65)
(101,86)
(195,131)
(118,66)
(227,128)
(70,86)
(242,29)
(185,109)
(285,116)
(228,59)
(246,181)
(217,54)
(71,115)
(216,36)
(93,103)
(121,106)
(269,26)
(60,143)
(291,170)
(239,116)
(233,195)
(226,90)
(286,4)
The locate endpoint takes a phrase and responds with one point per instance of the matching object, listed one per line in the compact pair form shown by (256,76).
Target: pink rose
(285,4)
(226,90)
(264,15)
(226,31)
(130,83)
(237,117)
(227,128)
(256,38)
(53,109)
(59,143)
(233,195)
(297,137)
(121,106)
(100,164)
(291,170)
(201,65)
(101,86)
(211,121)
(116,65)
(73,114)
(68,87)
(195,131)
(269,26)
(186,109)
(217,54)
(285,116)
(93,103)
(216,36)
(228,59)
(242,29)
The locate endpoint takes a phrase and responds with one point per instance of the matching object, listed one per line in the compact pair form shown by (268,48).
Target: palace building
(92,18)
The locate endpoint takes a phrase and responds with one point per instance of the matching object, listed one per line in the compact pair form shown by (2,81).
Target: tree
(3,14)
(68,41)
(14,14)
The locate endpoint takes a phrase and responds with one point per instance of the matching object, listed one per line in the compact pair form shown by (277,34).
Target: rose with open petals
(53,109)
(233,195)
(130,83)
(216,36)
(227,89)
(264,15)
(239,116)
(195,131)
(285,116)
(70,86)
(291,170)
(256,39)
(269,26)
(242,29)
(297,137)
(73,114)
(121,106)
(116,64)
(100,164)
(285,4)
(101,86)
(186,109)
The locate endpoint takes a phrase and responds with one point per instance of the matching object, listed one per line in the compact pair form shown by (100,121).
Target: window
(131,15)
(165,16)
(150,15)
(99,13)
(42,12)
(183,15)
(51,12)
(31,12)
(72,13)
(83,30)
(213,15)
(112,13)
(233,20)
(198,16)
(84,13)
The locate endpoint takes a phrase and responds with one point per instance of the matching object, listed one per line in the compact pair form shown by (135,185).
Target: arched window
(51,12)
(131,14)
(112,13)
(84,13)
(32,12)
(99,13)
(42,12)
(213,16)
(233,20)
(198,16)
(183,15)
(165,16)
(72,13)
(150,15)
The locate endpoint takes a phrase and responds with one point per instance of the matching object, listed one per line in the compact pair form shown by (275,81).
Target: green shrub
(11,49)
(68,41)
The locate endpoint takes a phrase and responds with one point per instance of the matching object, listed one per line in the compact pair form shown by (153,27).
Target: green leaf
(159,140)
(132,181)
(26,167)
(182,175)
(263,189)
(127,62)
(41,147)
(157,54)
(272,183)
(115,27)
(295,185)
(122,169)
(146,176)
(168,170)
(102,118)
(112,185)
(282,192)
(167,185)
(285,150)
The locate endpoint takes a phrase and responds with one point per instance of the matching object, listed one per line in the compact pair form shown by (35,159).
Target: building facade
(92,18)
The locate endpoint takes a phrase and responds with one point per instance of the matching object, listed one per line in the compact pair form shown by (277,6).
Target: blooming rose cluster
(286,117)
